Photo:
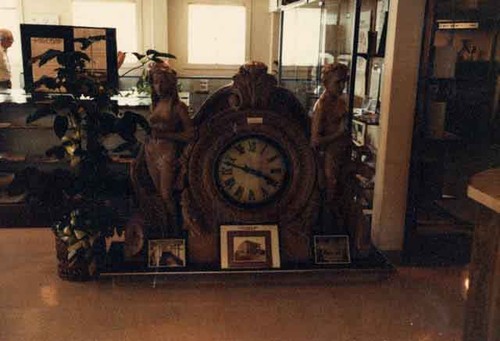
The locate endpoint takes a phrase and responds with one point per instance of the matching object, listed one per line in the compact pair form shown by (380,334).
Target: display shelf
(8,125)
(6,199)
(375,266)
(370,55)
(40,159)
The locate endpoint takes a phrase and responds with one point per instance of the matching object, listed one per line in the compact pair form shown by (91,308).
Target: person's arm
(4,68)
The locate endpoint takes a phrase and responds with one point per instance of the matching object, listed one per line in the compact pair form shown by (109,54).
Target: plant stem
(133,69)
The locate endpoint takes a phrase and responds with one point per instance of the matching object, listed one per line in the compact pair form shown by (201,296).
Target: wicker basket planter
(85,265)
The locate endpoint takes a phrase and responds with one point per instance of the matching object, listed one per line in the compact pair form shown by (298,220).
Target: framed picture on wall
(331,249)
(166,253)
(249,247)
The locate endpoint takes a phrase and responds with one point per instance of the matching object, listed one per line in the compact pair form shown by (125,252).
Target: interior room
(242,169)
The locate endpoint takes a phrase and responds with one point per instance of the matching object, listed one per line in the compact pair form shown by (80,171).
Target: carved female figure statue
(328,133)
(171,127)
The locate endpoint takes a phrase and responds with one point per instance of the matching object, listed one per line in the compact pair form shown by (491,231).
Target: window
(121,15)
(301,36)
(216,34)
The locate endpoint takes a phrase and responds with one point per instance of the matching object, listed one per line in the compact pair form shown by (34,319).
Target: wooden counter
(482,316)
(485,189)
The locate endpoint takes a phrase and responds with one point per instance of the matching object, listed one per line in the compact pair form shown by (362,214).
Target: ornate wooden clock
(252,171)
(251,164)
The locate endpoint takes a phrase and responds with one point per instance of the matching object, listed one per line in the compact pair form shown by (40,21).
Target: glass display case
(352,32)
(316,33)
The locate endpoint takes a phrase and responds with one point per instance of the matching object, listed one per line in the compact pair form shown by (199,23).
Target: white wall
(154,25)
(396,122)
(37,8)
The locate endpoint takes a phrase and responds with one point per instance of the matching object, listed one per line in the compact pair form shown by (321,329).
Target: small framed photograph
(331,249)
(249,246)
(166,253)
(358,133)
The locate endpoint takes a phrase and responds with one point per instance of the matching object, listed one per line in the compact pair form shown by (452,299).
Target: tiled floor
(416,304)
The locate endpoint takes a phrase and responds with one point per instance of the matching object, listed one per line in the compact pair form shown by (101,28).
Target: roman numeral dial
(251,170)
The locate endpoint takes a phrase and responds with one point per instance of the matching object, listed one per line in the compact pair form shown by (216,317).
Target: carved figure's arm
(188,131)
(316,124)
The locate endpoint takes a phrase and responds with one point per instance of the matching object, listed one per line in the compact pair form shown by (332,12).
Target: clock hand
(269,180)
(246,169)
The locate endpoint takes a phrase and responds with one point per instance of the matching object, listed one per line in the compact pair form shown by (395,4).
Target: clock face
(251,171)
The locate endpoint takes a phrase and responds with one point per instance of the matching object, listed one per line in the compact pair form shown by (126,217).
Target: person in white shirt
(6,40)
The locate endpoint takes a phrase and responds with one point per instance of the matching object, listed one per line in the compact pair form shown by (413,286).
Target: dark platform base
(373,268)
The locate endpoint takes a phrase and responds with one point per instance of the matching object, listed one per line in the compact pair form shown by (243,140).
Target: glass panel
(97,14)
(336,45)
(300,47)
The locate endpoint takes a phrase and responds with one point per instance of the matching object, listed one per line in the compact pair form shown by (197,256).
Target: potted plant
(84,115)
(144,60)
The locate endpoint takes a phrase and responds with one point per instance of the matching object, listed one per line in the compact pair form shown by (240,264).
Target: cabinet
(352,32)
(456,131)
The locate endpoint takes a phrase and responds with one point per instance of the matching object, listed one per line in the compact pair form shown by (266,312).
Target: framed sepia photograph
(249,247)
(166,253)
(331,249)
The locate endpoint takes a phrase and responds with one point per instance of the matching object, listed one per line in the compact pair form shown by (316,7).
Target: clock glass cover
(251,171)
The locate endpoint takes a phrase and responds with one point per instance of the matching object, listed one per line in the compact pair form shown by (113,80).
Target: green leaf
(127,136)
(39,113)
(71,254)
(156,60)
(57,151)
(107,123)
(86,42)
(80,234)
(155,54)
(81,55)
(61,125)
(140,120)
(126,127)
(49,82)
(138,55)
(72,59)
(165,55)
(62,102)
(85,85)
(68,142)
(130,146)
(47,56)
(76,246)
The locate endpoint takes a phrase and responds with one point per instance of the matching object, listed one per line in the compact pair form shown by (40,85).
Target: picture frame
(37,39)
(166,253)
(331,249)
(249,247)
(358,132)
